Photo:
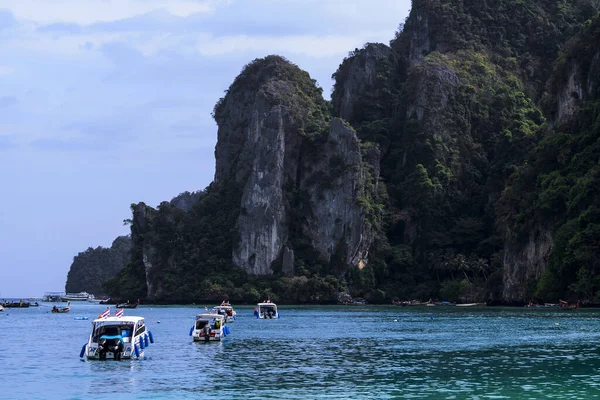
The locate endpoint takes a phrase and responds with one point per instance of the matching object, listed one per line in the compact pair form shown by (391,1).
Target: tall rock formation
(92,267)
(473,120)
(457,109)
(302,174)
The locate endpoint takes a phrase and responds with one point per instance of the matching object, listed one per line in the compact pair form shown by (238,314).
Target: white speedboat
(227,311)
(1,308)
(117,338)
(209,327)
(266,310)
(81,296)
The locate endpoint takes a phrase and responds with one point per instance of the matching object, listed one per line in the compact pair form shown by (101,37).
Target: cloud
(90,11)
(4,70)
(6,20)
(311,45)
(6,143)
(7,101)
(73,144)
(61,28)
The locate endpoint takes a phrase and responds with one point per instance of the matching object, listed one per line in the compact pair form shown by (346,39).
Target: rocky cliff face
(275,140)
(366,74)
(93,266)
(525,259)
(451,116)
(335,180)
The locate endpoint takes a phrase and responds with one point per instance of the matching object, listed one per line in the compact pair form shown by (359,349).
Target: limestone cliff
(473,121)
(275,140)
(93,266)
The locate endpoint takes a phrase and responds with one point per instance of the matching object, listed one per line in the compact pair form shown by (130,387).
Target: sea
(328,352)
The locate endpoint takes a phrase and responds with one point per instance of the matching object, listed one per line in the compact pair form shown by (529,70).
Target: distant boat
(128,305)
(266,310)
(11,304)
(467,305)
(53,297)
(81,296)
(62,309)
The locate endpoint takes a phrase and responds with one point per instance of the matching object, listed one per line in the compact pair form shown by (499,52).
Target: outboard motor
(114,346)
(206,331)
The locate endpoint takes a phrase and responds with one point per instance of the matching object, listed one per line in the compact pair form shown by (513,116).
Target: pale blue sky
(107,102)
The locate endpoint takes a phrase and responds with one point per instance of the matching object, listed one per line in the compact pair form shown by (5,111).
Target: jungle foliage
(464,112)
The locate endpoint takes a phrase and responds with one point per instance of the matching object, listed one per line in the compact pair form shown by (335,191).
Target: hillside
(458,163)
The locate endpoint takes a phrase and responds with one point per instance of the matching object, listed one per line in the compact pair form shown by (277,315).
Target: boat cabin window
(141,328)
(114,330)
(201,324)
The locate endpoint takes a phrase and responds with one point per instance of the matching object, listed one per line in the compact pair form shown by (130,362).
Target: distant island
(461,162)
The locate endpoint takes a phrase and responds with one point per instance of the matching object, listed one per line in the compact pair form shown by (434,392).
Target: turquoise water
(313,352)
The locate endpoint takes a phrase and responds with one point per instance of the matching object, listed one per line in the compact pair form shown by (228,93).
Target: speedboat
(117,338)
(209,327)
(227,311)
(62,309)
(266,310)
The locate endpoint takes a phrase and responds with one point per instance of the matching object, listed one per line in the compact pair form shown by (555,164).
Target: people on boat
(54,308)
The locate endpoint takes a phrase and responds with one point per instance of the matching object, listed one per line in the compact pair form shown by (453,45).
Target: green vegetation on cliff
(479,170)
(457,107)
(93,266)
(559,185)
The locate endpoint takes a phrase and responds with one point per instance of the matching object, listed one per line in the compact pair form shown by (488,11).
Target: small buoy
(582,329)
(431,318)
(395,320)
(158,322)
(556,324)
(82,352)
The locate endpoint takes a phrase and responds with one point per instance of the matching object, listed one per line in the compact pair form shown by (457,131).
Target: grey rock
(524,261)
(288,261)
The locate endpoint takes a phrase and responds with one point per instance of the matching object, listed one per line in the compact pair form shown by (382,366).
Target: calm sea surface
(313,352)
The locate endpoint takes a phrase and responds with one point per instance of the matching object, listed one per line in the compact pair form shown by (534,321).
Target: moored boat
(209,327)
(227,311)
(117,338)
(14,304)
(81,296)
(266,310)
(62,309)
(128,305)
(53,297)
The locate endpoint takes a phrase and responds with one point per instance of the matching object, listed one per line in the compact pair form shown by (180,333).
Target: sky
(104,103)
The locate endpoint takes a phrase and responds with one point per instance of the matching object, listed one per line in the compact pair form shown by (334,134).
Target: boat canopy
(117,321)
(210,316)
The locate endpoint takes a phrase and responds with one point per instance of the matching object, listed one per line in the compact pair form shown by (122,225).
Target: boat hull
(111,356)
(275,316)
